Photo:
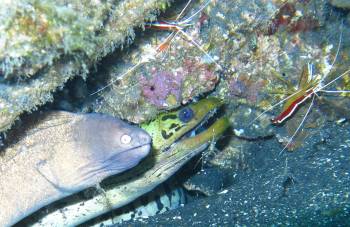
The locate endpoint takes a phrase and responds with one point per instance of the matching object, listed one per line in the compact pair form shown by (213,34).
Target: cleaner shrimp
(177,27)
(310,86)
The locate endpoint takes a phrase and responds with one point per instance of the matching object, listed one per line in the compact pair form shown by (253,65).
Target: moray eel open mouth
(202,126)
(171,127)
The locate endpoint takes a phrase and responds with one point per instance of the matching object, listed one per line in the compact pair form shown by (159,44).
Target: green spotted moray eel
(172,148)
(63,154)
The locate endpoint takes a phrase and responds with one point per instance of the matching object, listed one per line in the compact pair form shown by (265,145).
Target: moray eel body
(65,153)
(165,197)
(168,129)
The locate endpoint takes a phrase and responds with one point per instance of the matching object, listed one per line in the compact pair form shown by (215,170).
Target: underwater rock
(35,33)
(157,86)
(345,4)
(45,43)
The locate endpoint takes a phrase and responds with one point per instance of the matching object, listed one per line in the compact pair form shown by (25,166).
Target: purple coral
(161,87)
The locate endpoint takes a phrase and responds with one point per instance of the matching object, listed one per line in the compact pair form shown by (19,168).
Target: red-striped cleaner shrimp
(310,86)
(177,27)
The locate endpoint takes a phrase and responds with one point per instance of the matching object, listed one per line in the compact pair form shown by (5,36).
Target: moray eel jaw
(108,167)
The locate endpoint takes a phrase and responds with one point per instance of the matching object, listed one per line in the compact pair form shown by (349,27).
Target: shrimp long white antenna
(310,70)
(336,54)
(300,125)
(332,81)
(338,91)
(183,10)
(119,77)
(200,48)
(198,11)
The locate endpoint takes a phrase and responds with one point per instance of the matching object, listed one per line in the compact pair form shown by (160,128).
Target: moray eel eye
(125,139)
(186,114)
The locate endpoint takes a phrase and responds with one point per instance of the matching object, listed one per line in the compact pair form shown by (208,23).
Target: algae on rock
(45,43)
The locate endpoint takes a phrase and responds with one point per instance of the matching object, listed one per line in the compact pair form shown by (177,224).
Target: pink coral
(162,86)
(166,89)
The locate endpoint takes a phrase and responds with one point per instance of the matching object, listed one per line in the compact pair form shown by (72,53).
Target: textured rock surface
(46,43)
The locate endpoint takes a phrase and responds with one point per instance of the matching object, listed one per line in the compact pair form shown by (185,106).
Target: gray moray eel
(62,154)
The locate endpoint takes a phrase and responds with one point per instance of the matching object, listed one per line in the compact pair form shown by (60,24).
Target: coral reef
(164,82)
(46,43)
(200,78)
(260,45)
(261,52)
(156,87)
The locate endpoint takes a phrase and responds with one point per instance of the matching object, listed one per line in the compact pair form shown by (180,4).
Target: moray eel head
(107,146)
(169,127)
